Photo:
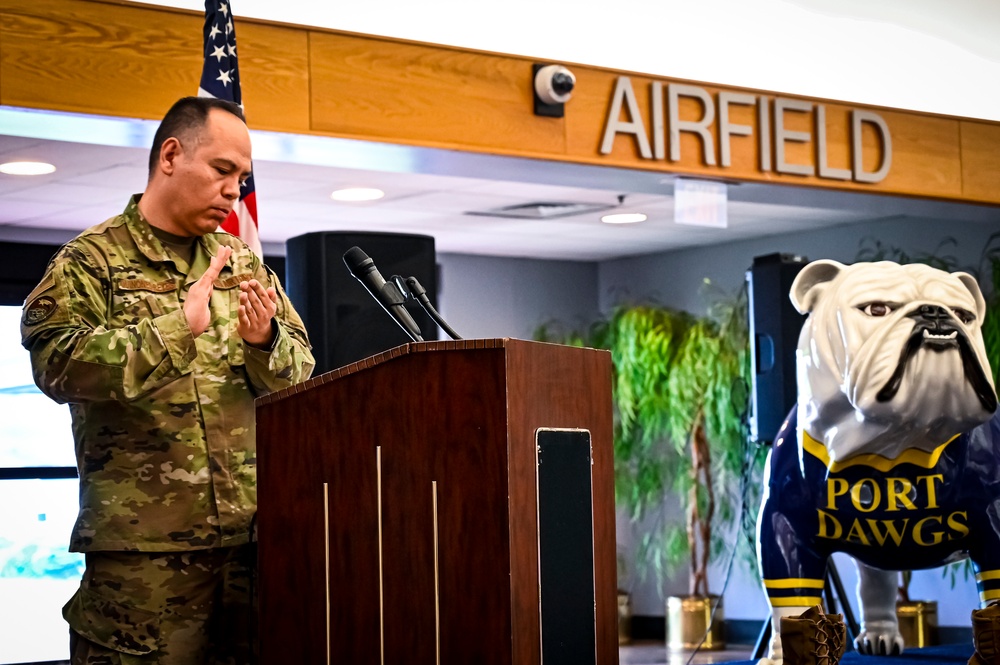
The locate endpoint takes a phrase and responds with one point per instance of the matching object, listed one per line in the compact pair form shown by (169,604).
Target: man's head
(199,159)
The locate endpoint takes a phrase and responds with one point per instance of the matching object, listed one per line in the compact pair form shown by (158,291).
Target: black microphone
(417,290)
(386,293)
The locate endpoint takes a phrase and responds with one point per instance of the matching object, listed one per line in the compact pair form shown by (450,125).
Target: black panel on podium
(774,335)
(344,322)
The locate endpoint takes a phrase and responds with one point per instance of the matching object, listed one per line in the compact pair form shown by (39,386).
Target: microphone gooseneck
(420,293)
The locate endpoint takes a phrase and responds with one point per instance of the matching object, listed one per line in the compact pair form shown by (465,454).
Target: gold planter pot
(917,622)
(624,618)
(688,617)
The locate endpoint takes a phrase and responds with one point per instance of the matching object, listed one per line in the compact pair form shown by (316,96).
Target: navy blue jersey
(912,512)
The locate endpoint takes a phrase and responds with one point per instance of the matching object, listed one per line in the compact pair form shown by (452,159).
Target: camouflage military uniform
(163,421)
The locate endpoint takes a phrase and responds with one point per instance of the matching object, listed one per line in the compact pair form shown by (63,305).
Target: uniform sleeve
(76,357)
(289,360)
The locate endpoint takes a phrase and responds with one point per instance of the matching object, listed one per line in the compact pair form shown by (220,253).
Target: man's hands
(196,306)
(257,305)
(257,308)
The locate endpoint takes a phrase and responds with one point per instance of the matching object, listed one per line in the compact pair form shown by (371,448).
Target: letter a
(615,125)
(837,529)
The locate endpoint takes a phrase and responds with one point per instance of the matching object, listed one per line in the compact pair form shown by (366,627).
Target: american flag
(220,78)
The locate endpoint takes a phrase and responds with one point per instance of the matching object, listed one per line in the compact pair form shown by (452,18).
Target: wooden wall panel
(980,161)
(427,95)
(135,61)
(927,148)
(111,57)
(96,58)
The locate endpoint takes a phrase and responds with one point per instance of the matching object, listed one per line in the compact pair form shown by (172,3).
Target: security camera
(554,84)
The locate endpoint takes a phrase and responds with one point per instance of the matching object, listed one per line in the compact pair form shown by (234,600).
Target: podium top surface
(397,352)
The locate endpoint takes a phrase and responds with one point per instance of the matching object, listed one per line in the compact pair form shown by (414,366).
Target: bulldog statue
(890,454)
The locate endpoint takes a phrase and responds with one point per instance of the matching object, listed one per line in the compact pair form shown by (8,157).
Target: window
(38,492)
(34,430)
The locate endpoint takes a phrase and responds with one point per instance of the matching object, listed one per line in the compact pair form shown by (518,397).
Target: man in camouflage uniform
(159,332)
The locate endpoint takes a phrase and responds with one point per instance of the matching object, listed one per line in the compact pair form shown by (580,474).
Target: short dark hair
(186,114)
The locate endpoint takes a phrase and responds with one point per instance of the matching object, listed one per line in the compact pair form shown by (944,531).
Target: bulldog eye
(877,309)
(964,315)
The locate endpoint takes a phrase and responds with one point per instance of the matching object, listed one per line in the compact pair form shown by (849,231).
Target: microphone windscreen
(354,258)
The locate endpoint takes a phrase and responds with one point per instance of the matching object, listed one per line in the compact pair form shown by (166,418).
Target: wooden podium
(442,502)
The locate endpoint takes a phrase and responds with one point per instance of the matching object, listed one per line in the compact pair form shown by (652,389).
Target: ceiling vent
(541,210)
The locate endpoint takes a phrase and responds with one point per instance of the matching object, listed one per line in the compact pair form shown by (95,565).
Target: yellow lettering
(918,528)
(826,518)
(856,495)
(898,489)
(861,537)
(931,489)
(834,487)
(890,530)
(955,525)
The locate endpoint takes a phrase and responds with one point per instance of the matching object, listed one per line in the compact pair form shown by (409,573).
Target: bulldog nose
(933,312)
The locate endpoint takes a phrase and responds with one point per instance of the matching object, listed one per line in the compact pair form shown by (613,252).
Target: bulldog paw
(876,642)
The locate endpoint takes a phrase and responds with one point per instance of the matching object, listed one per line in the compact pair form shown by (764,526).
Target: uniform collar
(150,246)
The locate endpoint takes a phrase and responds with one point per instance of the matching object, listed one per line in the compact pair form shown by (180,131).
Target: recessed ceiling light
(354,194)
(26,168)
(624,218)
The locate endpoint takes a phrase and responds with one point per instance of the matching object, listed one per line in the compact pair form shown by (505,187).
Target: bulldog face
(890,348)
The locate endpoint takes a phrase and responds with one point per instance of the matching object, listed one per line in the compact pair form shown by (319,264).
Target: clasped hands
(256,310)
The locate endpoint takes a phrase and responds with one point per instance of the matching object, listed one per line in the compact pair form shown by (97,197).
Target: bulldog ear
(804,289)
(970,283)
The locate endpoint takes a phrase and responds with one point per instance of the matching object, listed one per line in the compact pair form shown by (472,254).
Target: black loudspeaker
(774,335)
(22,266)
(344,322)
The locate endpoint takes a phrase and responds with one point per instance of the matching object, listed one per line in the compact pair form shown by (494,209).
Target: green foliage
(872,249)
(989,282)
(952,570)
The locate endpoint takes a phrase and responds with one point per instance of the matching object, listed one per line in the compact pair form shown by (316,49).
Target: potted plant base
(689,619)
(917,622)
(624,618)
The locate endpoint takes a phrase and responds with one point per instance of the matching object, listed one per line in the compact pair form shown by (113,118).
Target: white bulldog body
(891,368)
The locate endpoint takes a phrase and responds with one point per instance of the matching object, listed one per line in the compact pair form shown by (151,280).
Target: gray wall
(674,278)
(482,296)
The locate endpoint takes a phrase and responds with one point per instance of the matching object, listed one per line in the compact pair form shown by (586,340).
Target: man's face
(208,171)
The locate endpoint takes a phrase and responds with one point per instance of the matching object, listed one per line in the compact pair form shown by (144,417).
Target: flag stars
(224,77)
(229,27)
(224,8)
(214,32)
(232,50)
(219,52)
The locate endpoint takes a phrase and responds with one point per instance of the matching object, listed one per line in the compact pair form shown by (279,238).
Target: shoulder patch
(39,309)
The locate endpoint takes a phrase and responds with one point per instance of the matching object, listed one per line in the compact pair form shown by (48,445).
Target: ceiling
(425,195)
